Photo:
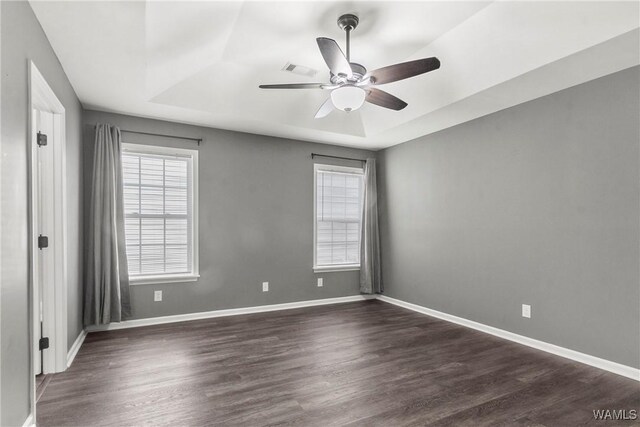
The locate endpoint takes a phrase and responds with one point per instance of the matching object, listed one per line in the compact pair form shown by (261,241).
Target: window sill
(168,278)
(336,268)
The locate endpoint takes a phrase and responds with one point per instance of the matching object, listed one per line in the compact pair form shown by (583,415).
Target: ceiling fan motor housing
(358,72)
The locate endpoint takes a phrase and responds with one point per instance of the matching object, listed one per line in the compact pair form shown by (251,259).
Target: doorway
(47,232)
(44,228)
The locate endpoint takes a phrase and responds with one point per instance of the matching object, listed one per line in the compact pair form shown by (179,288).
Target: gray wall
(255,215)
(536,204)
(23,39)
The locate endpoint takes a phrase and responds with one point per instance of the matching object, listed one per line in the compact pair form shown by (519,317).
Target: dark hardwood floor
(365,363)
(41,384)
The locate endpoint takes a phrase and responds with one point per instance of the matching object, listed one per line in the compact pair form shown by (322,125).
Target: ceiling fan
(351,85)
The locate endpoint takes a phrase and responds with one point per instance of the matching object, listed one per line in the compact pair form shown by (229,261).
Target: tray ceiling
(202,62)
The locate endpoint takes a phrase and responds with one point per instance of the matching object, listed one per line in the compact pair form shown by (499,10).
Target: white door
(44,268)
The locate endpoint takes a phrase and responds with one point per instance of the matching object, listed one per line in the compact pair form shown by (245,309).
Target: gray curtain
(370,275)
(106,294)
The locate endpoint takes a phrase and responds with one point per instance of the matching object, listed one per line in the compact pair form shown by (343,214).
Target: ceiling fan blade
(324,109)
(294,86)
(404,70)
(334,57)
(384,99)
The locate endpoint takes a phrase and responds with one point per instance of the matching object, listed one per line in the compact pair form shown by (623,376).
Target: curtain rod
(337,157)
(198,140)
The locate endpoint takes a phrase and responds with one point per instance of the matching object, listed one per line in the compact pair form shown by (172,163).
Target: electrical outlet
(526,311)
(265,286)
(157,296)
(320,282)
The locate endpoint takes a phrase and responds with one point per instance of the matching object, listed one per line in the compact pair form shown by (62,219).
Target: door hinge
(43,344)
(43,241)
(42,139)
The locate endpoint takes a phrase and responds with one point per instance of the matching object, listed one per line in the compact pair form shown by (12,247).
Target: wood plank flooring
(41,384)
(364,363)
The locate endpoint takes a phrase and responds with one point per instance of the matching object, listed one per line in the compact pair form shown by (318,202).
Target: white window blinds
(158,200)
(338,210)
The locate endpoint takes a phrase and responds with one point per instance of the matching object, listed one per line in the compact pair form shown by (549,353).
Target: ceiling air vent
(299,69)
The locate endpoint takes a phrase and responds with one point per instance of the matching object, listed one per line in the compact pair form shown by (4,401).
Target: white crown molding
(222,313)
(607,365)
(73,351)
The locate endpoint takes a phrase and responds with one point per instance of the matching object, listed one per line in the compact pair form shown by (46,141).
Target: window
(337,218)
(160,209)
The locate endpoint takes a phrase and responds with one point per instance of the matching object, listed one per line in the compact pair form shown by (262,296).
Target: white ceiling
(202,62)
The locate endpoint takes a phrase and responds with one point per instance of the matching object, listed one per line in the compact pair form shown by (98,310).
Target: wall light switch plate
(320,282)
(157,296)
(265,286)
(526,311)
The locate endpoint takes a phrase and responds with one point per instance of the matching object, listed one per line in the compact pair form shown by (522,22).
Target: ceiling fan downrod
(348,22)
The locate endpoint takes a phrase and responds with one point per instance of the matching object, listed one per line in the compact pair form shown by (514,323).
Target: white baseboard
(29,421)
(607,365)
(228,312)
(75,347)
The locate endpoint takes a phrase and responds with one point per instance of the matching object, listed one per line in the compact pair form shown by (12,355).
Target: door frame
(42,97)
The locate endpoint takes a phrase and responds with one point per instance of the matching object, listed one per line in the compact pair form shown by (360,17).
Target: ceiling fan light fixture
(348,98)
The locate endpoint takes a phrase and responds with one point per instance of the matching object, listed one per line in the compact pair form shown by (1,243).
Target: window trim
(165,278)
(195,259)
(329,168)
